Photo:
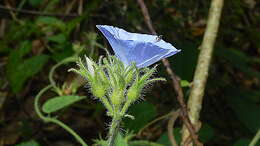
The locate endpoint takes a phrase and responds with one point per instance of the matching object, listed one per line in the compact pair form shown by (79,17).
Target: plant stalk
(202,68)
(114,128)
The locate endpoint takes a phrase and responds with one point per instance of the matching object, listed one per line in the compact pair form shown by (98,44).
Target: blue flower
(143,49)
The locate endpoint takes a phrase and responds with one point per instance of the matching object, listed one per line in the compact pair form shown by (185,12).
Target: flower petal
(143,49)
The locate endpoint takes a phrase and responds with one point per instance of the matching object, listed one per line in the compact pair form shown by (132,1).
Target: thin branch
(5,12)
(201,72)
(174,116)
(175,78)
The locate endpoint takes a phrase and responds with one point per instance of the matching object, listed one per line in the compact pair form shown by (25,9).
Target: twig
(175,80)
(201,72)
(174,116)
(4,9)
(166,116)
(255,139)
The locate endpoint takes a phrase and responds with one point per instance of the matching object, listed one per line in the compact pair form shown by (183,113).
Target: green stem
(53,83)
(113,131)
(53,120)
(107,104)
(125,107)
(68,129)
(255,139)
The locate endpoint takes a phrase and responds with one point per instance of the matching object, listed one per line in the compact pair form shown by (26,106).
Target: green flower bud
(133,93)
(117,97)
(129,77)
(98,90)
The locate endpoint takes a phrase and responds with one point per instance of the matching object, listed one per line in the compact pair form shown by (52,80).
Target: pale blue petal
(143,49)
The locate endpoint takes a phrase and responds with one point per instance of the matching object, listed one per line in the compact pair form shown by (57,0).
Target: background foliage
(39,34)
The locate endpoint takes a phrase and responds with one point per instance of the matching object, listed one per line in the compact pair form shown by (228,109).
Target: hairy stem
(114,128)
(201,72)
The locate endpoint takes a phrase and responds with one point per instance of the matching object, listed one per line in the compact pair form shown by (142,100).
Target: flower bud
(117,97)
(129,78)
(133,93)
(98,90)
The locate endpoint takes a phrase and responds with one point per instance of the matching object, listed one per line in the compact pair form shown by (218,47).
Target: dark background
(37,34)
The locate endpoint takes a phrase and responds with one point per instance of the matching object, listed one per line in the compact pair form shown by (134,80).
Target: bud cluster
(116,85)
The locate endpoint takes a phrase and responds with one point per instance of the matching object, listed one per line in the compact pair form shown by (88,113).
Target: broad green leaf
(59,38)
(56,103)
(29,143)
(19,70)
(143,113)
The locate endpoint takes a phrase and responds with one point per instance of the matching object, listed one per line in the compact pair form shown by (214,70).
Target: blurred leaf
(242,142)
(143,113)
(247,111)
(35,3)
(184,68)
(164,140)
(19,70)
(120,141)
(29,143)
(51,21)
(59,38)
(185,83)
(245,142)
(56,103)
(238,59)
(64,52)
(143,143)
(206,133)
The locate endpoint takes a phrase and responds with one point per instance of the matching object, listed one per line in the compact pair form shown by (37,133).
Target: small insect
(158,38)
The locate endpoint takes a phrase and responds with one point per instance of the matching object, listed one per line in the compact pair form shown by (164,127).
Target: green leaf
(59,38)
(18,70)
(120,141)
(242,142)
(59,102)
(35,3)
(185,69)
(51,21)
(239,60)
(143,143)
(206,133)
(63,53)
(28,143)
(185,83)
(143,113)
(245,109)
